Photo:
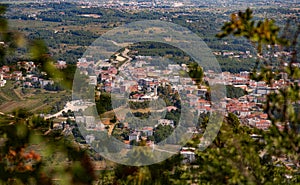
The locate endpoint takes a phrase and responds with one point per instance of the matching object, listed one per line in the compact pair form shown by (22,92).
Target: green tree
(162,132)
(234,92)
(104,103)
(196,72)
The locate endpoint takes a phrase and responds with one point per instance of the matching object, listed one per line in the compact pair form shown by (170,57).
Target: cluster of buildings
(231,54)
(90,122)
(4,74)
(142,77)
(142,4)
(249,107)
(138,4)
(26,75)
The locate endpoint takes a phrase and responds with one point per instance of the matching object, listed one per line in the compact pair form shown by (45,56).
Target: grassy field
(37,24)
(34,100)
(33,24)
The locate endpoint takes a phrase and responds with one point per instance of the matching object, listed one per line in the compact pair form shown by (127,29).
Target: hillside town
(90,95)
(141,80)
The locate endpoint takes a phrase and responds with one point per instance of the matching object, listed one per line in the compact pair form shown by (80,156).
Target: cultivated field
(34,100)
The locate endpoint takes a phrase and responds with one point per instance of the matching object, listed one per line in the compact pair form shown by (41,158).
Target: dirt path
(18,94)
(110,130)
(5,97)
(38,107)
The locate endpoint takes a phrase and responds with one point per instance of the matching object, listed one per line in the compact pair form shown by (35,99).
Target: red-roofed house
(5,69)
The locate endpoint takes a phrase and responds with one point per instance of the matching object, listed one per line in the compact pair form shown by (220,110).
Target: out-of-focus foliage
(27,154)
(235,158)
(280,105)
(261,32)
(31,151)
(9,40)
(283,140)
(41,57)
(162,173)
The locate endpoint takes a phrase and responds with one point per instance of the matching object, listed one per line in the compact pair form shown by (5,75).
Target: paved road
(162,150)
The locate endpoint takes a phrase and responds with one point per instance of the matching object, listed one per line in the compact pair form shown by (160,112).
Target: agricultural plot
(34,100)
